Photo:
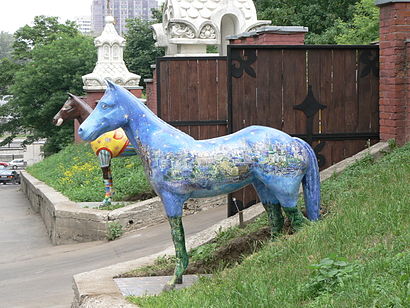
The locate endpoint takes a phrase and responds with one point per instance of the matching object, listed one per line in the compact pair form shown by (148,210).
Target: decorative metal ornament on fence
(243,63)
(310,107)
(371,63)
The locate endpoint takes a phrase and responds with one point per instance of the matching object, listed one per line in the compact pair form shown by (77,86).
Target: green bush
(75,172)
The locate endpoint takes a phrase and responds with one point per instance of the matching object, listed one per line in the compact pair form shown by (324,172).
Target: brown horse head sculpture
(73,108)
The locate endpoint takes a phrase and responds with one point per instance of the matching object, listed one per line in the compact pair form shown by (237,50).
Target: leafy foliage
(140,52)
(328,274)
(6,42)
(44,31)
(318,15)
(364,26)
(329,21)
(8,68)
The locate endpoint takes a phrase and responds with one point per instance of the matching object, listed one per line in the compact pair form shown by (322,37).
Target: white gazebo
(110,64)
(188,26)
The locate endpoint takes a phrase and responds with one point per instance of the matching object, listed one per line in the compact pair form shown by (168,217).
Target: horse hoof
(168,287)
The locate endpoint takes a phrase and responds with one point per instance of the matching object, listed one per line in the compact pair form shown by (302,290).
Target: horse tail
(311,184)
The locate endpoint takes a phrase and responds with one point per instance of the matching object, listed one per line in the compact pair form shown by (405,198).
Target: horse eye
(104,106)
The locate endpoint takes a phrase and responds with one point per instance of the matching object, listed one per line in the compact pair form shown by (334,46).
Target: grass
(357,256)
(75,172)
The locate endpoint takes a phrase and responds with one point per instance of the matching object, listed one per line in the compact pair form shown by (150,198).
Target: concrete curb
(97,288)
(67,222)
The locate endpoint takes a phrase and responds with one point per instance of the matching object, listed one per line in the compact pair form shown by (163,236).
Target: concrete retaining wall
(66,222)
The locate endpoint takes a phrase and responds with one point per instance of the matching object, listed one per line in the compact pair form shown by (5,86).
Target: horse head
(108,115)
(73,108)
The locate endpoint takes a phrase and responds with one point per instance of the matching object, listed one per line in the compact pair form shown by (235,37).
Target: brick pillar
(407,112)
(394,70)
(272,35)
(151,90)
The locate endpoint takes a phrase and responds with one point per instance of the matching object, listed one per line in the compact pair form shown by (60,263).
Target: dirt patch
(231,254)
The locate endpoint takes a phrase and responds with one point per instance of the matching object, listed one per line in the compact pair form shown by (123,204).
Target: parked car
(17,163)
(8,175)
(2,163)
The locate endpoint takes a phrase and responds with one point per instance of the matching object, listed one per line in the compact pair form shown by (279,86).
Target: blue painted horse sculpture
(109,145)
(180,167)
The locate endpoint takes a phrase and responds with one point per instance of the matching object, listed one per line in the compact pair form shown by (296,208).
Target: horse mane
(152,116)
(81,103)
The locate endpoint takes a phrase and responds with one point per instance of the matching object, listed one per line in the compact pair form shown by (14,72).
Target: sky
(17,13)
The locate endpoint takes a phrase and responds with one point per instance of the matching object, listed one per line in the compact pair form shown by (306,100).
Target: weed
(114,230)
(392,144)
(327,275)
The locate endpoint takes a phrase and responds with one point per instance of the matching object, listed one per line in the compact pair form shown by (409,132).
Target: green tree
(44,31)
(8,68)
(317,15)
(140,51)
(6,43)
(40,88)
(157,13)
(364,26)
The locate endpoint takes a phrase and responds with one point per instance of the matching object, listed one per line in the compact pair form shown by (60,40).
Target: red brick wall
(394,75)
(151,92)
(407,112)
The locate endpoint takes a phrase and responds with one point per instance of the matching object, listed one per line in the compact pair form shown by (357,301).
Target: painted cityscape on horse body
(210,165)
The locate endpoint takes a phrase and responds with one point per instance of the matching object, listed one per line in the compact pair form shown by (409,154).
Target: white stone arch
(229,25)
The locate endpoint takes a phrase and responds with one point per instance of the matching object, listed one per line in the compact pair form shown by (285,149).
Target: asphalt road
(34,273)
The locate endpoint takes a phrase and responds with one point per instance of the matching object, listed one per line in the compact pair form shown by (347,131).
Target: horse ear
(76,98)
(71,95)
(110,84)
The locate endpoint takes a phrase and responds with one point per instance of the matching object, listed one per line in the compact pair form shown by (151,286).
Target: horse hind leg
(288,199)
(296,218)
(272,208)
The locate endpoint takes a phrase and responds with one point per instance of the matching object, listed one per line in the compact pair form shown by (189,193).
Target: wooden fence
(327,95)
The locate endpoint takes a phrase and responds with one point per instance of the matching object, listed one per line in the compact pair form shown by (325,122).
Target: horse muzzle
(87,135)
(58,121)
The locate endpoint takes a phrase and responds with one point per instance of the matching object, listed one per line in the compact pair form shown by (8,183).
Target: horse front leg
(178,237)
(105,164)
